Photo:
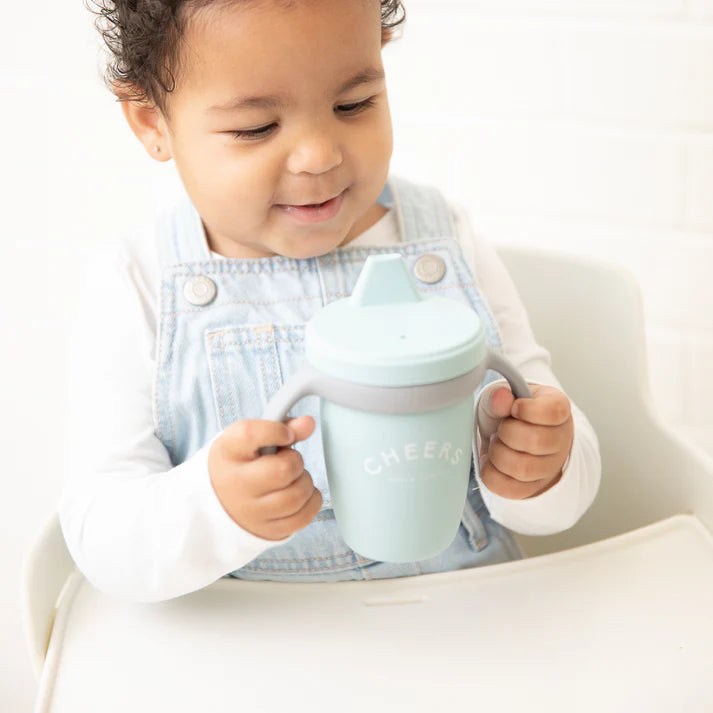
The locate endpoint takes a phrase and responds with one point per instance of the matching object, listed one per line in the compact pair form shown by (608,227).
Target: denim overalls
(231,332)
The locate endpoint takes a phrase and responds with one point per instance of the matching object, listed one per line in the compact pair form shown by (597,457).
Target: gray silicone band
(387,399)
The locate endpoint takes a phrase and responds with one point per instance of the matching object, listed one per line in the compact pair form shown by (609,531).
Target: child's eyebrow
(273,101)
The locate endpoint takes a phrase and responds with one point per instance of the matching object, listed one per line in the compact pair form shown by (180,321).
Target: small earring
(156,148)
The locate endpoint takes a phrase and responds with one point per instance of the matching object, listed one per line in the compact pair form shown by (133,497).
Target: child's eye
(253,133)
(356,108)
(349,109)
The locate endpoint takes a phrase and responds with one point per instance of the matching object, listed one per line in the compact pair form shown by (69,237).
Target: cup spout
(384,279)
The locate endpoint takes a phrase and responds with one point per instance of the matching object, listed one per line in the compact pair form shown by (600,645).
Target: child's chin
(309,248)
(307,254)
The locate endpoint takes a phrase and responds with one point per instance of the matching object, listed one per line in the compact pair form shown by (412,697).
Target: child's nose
(317,151)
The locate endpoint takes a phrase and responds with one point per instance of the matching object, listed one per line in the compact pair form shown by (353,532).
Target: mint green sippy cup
(396,372)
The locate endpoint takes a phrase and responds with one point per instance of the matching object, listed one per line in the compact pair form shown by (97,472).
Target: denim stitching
(214,376)
(213,305)
(261,362)
(312,568)
(267,341)
(348,255)
(348,553)
(303,298)
(233,407)
(173,326)
(273,355)
(158,411)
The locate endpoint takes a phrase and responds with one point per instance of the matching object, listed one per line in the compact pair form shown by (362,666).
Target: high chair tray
(625,624)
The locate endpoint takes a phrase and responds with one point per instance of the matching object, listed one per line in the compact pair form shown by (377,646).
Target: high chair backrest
(589,315)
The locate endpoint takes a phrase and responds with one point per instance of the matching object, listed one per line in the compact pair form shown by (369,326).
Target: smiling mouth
(314,212)
(309,205)
(316,204)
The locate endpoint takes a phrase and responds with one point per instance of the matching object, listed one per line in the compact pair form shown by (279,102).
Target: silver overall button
(429,268)
(199,290)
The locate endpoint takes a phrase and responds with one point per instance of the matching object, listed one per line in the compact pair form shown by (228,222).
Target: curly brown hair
(144,41)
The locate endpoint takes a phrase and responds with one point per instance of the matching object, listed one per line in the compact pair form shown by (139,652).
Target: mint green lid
(388,334)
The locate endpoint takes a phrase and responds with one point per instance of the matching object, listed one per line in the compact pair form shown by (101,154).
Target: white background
(578,125)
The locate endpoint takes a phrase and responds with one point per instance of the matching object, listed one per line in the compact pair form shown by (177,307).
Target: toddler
(276,116)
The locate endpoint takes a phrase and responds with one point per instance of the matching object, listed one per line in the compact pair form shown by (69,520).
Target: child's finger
(505,486)
(523,467)
(547,407)
(532,438)
(241,440)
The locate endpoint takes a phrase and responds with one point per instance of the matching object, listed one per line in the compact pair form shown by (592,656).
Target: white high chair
(615,614)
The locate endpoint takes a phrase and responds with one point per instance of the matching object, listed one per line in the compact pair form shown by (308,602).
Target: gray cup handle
(518,385)
(304,382)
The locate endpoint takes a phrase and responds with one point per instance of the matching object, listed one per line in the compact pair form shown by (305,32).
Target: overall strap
(421,210)
(178,231)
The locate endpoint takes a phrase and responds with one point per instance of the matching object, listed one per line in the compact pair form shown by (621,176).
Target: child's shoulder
(127,255)
(126,247)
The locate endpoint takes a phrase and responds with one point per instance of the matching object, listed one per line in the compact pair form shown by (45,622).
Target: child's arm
(568,494)
(137,527)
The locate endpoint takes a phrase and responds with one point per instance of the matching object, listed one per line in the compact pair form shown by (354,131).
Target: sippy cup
(395,372)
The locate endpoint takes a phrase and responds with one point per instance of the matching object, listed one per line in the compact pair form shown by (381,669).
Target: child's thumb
(493,406)
(302,427)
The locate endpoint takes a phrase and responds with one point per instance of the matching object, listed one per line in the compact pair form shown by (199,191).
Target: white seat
(589,314)
(578,628)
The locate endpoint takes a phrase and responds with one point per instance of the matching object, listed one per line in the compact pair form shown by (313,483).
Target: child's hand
(271,496)
(524,442)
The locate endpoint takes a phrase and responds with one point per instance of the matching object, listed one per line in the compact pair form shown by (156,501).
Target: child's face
(316,145)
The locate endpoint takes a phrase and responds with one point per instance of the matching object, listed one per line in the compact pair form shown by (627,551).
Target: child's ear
(147,123)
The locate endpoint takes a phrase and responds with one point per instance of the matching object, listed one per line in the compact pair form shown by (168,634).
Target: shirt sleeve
(137,528)
(562,505)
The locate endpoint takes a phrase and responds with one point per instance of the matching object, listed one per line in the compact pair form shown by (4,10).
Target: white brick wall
(582,125)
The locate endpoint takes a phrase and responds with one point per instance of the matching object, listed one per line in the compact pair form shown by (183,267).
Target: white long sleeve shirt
(120,490)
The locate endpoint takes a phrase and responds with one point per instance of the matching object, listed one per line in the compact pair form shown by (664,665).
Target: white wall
(581,125)
(586,126)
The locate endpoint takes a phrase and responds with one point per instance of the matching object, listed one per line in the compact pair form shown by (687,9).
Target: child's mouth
(316,212)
